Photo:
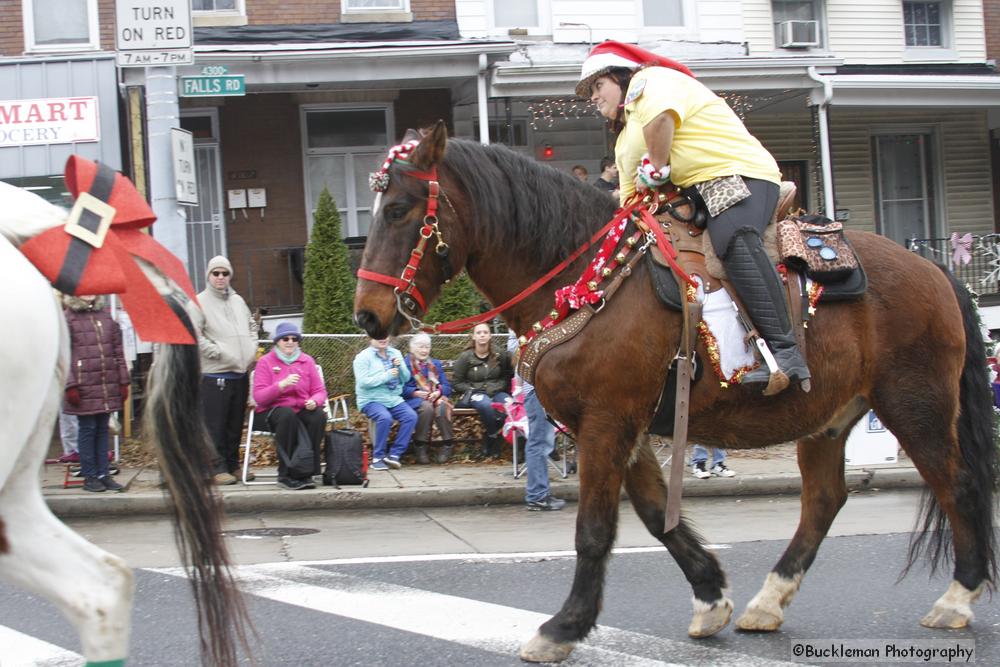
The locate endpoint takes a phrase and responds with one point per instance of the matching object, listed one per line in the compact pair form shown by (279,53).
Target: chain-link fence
(336,352)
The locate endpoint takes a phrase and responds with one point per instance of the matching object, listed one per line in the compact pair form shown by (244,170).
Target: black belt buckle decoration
(89,219)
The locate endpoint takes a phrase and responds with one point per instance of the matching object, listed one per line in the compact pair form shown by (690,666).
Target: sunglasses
(220,273)
(285,339)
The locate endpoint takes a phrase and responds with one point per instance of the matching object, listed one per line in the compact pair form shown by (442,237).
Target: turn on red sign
(153,32)
(54,120)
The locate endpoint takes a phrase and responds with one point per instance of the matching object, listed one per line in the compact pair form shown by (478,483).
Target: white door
(904,186)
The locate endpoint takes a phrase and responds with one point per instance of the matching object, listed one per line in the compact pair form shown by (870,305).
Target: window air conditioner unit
(799,34)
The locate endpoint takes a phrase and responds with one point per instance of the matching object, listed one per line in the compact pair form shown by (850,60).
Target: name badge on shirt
(635,91)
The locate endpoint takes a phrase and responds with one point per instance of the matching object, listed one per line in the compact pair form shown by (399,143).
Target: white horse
(91,587)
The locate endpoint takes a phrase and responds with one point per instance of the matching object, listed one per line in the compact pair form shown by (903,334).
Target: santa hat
(610,54)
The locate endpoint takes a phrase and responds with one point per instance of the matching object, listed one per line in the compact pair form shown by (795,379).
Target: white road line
(429,558)
(482,625)
(20,650)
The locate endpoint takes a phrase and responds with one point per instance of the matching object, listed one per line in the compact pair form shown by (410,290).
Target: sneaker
(698,470)
(224,479)
(72,457)
(93,484)
(378,465)
(110,484)
(393,462)
(306,483)
(238,473)
(720,470)
(289,483)
(549,504)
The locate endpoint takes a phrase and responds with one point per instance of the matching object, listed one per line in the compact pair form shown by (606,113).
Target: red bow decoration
(96,251)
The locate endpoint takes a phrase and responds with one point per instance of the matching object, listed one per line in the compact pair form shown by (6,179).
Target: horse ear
(412,134)
(430,151)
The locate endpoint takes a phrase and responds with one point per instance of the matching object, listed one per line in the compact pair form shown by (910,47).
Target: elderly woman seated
(288,391)
(427,392)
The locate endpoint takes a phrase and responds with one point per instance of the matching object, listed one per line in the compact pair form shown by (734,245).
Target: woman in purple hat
(288,391)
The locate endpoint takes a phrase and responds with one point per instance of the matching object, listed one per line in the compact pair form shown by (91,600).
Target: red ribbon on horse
(102,258)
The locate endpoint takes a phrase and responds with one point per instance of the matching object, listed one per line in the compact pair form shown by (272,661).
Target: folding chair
(561,467)
(336,413)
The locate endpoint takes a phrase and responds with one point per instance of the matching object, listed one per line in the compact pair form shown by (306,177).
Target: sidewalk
(759,472)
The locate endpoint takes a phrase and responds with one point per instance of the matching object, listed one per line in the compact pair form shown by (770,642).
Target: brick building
(329,86)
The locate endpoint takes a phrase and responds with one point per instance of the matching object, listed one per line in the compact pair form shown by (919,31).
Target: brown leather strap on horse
(682,404)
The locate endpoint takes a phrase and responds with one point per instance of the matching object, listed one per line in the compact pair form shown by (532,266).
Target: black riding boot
(420,451)
(759,287)
(444,451)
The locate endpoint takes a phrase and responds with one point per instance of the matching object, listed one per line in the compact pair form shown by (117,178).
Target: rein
(409,297)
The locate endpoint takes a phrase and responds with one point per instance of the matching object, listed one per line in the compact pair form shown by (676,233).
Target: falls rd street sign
(213,86)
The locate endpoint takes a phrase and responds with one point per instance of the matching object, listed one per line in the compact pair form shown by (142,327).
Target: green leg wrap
(107,663)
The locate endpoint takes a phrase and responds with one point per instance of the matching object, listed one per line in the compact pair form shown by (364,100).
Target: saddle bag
(346,459)
(818,245)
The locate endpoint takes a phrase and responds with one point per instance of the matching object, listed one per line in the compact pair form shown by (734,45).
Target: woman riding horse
(672,128)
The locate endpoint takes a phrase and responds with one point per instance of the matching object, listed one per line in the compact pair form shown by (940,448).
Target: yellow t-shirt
(709,139)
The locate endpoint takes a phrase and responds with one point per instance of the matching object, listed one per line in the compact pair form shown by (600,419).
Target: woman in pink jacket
(288,391)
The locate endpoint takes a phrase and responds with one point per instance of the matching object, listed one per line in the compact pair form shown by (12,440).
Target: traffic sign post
(153,32)
(185,175)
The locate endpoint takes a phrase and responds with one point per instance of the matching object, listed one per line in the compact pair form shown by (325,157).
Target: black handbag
(346,458)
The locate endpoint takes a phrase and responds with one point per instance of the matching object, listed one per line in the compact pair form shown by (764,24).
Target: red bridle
(405,286)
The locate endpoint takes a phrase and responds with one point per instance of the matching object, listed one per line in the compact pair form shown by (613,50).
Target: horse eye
(396,212)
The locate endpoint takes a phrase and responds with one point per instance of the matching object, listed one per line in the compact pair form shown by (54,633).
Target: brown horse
(910,349)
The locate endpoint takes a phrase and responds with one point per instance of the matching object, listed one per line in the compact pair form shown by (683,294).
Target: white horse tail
(174,427)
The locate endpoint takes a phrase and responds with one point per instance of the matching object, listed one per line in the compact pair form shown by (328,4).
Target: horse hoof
(951,619)
(708,619)
(755,619)
(952,610)
(543,649)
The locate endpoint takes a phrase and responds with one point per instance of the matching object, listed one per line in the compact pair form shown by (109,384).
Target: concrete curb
(239,500)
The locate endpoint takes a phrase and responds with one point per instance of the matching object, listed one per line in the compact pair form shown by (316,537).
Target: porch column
(481,101)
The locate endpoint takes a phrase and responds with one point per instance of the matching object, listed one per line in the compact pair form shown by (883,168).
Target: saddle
(679,217)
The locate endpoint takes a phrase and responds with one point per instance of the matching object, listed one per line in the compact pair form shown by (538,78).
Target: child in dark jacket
(97,384)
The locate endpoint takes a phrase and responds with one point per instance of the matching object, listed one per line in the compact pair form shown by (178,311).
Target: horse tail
(977,483)
(176,431)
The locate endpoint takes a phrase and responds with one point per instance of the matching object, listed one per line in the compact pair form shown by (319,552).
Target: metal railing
(976,264)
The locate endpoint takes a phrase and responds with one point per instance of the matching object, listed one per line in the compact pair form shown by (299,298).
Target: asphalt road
(473,605)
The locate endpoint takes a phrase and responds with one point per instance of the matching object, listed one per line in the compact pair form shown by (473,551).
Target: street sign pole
(163,114)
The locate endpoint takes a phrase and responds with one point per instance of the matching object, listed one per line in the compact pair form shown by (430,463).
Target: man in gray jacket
(227,340)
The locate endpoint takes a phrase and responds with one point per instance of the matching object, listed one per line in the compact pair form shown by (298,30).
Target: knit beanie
(218,262)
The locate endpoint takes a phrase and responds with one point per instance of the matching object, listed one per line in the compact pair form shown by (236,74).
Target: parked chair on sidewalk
(336,412)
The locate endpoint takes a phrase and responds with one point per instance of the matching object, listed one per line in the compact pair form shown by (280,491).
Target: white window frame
(946,51)
(689,13)
(544,26)
(220,17)
(93,29)
(401,6)
(820,19)
(348,225)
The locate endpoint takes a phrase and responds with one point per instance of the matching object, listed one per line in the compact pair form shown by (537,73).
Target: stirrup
(779,381)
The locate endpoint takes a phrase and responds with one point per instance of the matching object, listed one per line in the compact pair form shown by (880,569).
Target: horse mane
(539,212)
